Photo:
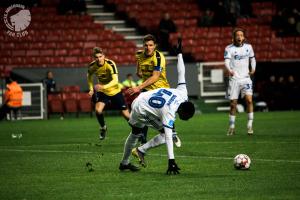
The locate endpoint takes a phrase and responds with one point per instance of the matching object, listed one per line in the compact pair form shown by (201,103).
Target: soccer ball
(241,161)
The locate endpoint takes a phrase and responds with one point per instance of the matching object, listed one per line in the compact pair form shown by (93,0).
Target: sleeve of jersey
(168,119)
(169,142)
(252,59)
(227,53)
(113,82)
(181,83)
(227,58)
(159,62)
(90,79)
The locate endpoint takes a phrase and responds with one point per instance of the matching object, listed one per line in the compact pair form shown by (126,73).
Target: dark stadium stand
(62,41)
(199,41)
(66,40)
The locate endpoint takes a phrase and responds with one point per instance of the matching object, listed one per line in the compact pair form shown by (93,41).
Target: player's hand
(134,90)
(251,73)
(98,87)
(91,92)
(173,168)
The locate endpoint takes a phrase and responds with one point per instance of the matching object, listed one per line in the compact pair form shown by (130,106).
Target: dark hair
(235,30)
(97,50)
(8,80)
(186,110)
(149,37)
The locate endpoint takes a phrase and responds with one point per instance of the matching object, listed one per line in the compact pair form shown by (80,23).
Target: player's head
(149,43)
(186,110)
(238,36)
(129,76)
(98,55)
(49,75)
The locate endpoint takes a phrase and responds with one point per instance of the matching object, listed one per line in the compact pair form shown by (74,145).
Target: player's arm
(227,66)
(227,58)
(181,82)
(252,62)
(90,82)
(138,70)
(113,82)
(172,166)
(152,79)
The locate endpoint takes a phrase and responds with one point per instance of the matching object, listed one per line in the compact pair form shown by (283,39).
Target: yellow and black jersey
(107,76)
(148,64)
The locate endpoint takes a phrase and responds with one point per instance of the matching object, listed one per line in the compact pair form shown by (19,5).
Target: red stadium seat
(55,104)
(70,102)
(71,88)
(85,103)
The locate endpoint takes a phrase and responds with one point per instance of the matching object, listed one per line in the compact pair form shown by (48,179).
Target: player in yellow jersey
(107,90)
(151,67)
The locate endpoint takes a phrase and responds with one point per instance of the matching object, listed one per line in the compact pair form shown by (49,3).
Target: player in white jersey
(237,57)
(157,109)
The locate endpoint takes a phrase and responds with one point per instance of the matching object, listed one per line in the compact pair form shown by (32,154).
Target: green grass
(48,162)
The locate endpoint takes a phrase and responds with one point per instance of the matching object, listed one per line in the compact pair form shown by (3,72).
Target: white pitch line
(199,142)
(46,151)
(156,155)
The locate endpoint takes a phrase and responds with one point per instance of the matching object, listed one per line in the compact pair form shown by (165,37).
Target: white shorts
(237,86)
(140,118)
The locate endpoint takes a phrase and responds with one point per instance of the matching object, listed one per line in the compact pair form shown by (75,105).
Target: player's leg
(119,101)
(99,106)
(249,103)
(100,99)
(156,141)
(247,92)
(232,113)
(233,95)
(129,145)
(143,138)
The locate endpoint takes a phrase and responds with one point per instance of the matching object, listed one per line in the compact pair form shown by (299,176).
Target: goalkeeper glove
(173,168)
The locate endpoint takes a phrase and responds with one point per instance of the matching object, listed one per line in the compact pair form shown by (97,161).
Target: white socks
(250,119)
(249,124)
(129,145)
(154,142)
(231,121)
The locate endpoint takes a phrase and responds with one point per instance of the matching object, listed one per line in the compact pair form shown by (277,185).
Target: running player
(107,90)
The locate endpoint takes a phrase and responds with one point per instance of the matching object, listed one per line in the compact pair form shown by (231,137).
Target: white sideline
(157,155)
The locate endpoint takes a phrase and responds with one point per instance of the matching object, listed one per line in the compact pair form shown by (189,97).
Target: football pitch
(49,160)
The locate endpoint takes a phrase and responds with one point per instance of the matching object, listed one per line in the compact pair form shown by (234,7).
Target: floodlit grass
(49,161)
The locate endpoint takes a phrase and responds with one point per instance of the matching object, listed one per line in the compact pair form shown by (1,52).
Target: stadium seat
(71,88)
(85,103)
(70,102)
(55,104)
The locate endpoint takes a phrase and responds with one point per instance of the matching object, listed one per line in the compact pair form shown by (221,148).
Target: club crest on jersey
(239,57)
